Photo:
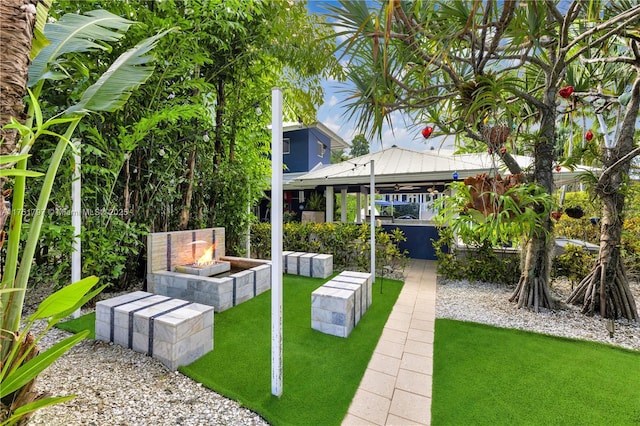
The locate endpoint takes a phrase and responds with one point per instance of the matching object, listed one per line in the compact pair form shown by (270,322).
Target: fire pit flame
(207,258)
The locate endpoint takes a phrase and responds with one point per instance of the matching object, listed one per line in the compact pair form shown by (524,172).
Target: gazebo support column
(343,205)
(329,204)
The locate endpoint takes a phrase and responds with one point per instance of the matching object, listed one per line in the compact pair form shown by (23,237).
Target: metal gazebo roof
(405,170)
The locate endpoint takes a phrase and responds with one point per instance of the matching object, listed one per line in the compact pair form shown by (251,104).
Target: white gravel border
(489,304)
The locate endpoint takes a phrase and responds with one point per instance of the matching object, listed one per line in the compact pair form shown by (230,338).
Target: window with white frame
(286,145)
(321,149)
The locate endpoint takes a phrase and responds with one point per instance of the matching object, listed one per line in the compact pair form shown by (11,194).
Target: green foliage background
(190,148)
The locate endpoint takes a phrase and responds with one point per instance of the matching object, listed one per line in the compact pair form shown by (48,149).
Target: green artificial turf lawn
(485,375)
(85,322)
(321,372)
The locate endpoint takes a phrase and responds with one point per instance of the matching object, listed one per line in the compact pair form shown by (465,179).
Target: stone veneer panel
(165,250)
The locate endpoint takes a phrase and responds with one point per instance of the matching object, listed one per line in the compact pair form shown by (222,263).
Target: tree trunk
(188,194)
(17,19)
(532,291)
(606,288)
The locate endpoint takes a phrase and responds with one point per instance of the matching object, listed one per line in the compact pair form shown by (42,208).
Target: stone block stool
(174,331)
(333,311)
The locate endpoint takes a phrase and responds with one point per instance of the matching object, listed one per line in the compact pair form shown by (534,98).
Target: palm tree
(469,68)
(20,362)
(18,18)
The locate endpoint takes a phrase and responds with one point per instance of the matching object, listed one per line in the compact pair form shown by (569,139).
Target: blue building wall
(303,155)
(419,242)
(296,160)
(316,136)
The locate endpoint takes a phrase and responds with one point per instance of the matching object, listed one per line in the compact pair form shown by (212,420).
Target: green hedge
(583,229)
(348,243)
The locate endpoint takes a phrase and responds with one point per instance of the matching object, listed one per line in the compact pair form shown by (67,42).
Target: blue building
(305,148)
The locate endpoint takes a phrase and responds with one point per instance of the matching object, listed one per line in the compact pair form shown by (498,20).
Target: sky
(333,114)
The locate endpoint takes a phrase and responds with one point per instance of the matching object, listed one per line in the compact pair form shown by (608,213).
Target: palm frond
(114,87)
(75,33)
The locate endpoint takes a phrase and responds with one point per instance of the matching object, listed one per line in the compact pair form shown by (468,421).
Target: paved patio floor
(396,387)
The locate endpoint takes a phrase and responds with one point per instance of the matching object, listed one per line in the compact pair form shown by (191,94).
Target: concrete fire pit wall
(221,293)
(165,250)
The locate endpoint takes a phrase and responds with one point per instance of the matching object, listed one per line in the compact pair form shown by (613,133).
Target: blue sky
(333,114)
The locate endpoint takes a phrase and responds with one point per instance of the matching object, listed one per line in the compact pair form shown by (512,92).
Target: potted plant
(314,208)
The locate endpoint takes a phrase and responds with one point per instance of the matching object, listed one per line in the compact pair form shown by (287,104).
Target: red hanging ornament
(503,150)
(426,132)
(589,135)
(490,150)
(558,168)
(556,215)
(565,92)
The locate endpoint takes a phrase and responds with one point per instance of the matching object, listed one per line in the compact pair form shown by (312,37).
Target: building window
(286,145)
(321,149)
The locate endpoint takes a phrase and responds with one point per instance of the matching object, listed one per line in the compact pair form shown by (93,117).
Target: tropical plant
(20,362)
(191,147)
(606,288)
(489,71)
(315,202)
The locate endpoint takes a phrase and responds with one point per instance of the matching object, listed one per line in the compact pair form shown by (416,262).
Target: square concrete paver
(379,383)
(393,349)
(398,324)
(419,348)
(399,421)
(424,316)
(414,382)
(370,407)
(422,325)
(410,406)
(403,308)
(351,420)
(425,336)
(386,364)
(418,363)
(393,335)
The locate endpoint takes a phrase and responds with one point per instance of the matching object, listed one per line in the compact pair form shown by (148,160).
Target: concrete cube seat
(338,305)
(332,311)
(316,265)
(176,332)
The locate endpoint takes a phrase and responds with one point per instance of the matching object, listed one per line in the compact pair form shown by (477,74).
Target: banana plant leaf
(75,33)
(114,87)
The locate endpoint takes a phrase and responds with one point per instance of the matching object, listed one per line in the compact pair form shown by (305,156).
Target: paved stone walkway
(396,387)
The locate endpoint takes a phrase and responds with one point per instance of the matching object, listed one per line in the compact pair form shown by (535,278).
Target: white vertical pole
(358,208)
(276,241)
(76,221)
(248,242)
(372,201)
(343,205)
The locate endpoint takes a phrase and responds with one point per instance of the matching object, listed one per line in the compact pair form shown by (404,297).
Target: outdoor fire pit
(207,269)
(188,265)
